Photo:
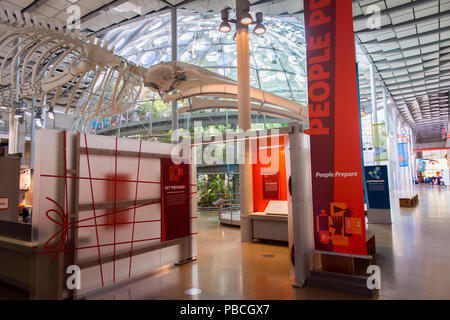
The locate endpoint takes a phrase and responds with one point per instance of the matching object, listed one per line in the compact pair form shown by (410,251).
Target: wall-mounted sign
(175,200)
(4,203)
(380,142)
(334,127)
(271,186)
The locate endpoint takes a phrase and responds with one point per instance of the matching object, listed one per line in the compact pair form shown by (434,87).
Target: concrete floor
(413,255)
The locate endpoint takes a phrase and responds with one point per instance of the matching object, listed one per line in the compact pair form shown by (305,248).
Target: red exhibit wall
(265,175)
(336,160)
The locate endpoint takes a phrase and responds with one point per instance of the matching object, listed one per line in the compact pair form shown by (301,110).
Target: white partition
(113,199)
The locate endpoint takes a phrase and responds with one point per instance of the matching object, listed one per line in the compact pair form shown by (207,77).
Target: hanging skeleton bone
(177,81)
(42,60)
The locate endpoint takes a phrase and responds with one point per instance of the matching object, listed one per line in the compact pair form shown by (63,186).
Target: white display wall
(97,206)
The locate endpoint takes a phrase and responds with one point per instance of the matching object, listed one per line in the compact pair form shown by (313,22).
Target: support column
(373,94)
(13,133)
(412,160)
(389,145)
(14,125)
(385,109)
(33,132)
(244,120)
(173,20)
(373,91)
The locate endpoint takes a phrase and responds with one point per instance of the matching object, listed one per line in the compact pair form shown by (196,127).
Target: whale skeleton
(53,65)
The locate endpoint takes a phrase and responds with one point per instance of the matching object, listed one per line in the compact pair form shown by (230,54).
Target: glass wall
(277,63)
(277,59)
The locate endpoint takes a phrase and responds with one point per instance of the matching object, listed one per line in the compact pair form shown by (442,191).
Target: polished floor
(413,254)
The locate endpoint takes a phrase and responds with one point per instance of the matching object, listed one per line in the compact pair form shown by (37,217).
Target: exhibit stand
(272,224)
(342,247)
(270,219)
(378,194)
(407,195)
(17,248)
(319,268)
(106,211)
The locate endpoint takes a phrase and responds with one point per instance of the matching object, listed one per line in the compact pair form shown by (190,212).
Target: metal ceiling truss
(423,98)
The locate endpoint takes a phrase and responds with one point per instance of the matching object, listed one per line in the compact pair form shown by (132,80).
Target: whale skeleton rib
(46,62)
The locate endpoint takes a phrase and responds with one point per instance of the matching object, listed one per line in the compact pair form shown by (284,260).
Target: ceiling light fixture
(18,114)
(51,113)
(23,105)
(259,28)
(38,116)
(246,18)
(225,25)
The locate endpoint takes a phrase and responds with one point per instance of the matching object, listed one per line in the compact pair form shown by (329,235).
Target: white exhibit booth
(97,205)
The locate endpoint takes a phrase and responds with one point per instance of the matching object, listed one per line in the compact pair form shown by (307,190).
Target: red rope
(135,202)
(114,216)
(102,245)
(67,202)
(97,179)
(93,208)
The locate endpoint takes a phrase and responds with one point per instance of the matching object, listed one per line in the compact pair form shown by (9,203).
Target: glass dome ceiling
(277,58)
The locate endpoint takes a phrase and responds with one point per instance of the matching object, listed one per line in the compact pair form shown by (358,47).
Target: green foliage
(160,109)
(210,188)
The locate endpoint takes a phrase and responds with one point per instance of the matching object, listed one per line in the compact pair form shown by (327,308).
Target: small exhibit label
(4,203)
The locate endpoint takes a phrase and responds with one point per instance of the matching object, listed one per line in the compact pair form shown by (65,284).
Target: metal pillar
(173,20)
(13,133)
(13,127)
(244,119)
(385,109)
(33,132)
(301,211)
(373,92)
(412,160)
(388,130)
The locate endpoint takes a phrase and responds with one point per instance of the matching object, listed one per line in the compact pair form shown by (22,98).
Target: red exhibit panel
(336,162)
(175,200)
(269,173)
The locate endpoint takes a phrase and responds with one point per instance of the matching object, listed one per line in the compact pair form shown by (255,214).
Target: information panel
(336,163)
(378,187)
(4,203)
(175,200)
(271,186)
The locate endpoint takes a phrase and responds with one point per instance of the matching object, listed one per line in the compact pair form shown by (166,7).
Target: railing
(232,198)
(227,209)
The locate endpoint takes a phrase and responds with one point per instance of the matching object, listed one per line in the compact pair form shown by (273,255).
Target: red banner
(336,162)
(175,200)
